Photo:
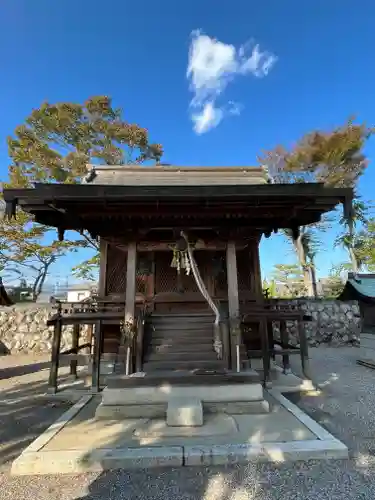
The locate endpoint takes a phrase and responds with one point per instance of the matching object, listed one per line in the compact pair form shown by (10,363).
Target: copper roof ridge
(177,168)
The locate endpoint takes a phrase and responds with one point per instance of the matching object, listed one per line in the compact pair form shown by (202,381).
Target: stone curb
(34,460)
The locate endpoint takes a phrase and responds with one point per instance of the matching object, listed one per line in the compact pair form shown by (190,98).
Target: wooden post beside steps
(129,316)
(233,305)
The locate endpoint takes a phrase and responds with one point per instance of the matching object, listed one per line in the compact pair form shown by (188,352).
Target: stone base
(214,425)
(107,367)
(75,443)
(163,392)
(187,412)
(150,397)
(119,412)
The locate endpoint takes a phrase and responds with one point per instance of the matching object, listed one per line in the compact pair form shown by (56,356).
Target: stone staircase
(180,342)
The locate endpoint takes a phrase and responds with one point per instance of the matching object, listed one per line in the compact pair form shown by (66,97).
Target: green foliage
(23,253)
(55,144)
(333,157)
(365,246)
(270,288)
(333,286)
(356,236)
(290,276)
(58,140)
(88,270)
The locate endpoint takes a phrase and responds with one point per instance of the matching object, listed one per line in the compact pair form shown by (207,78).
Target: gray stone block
(119,412)
(266,452)
(187,412)
(238,407)
(142,458)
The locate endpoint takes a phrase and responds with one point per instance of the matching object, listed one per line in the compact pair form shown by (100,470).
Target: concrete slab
(267,452)
(165,391)
(79,443)
(214,425)
(114,412)
(184,412)
(283,382)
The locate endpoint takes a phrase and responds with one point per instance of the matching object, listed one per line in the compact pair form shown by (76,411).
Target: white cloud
(208,117)
(212,65)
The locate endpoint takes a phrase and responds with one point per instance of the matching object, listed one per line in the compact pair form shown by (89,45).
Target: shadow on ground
(24,410)
(19,371)
(348,400)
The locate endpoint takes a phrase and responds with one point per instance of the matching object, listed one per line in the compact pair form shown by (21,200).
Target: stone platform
(163,394)
(78,442)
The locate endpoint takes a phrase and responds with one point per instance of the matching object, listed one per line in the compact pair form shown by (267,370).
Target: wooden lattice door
(181,292)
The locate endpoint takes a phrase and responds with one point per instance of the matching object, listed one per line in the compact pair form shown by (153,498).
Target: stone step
(181,326)
(181,339)
(183,315)
(178,319)
(176,348)
(181,356)
(181,335)
(209,388)
(184,412)
(159,410)
(178,341)
(182,365)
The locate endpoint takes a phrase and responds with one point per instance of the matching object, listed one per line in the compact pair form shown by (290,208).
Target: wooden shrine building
(179,257)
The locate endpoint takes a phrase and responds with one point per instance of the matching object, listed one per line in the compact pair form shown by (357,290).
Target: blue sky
(304,65)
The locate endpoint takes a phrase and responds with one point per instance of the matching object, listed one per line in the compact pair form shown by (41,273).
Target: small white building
(80,291)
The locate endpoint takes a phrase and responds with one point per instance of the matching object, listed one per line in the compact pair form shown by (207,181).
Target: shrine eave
(75,206)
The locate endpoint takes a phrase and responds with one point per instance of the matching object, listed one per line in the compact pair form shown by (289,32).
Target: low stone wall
(333,322)
(23,329)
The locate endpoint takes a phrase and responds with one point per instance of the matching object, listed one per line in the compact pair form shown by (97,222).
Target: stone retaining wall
(333,322)
(23,329)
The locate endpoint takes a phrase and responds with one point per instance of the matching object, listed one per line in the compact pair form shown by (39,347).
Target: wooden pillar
(304,349)
(129,316)
(95,375)
(53,374)
(103,268)
(284,337)
(130,283)
(75,343)
(233,304)
(233,301)
(256,281)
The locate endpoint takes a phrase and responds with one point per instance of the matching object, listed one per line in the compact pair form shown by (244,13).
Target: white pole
(238,358)
(127,365)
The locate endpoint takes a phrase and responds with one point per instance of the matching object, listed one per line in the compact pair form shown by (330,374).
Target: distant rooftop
(162,175)
(82,286)
(363,284)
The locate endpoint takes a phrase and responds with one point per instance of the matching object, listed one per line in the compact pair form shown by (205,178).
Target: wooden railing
(92,312)
(264,314)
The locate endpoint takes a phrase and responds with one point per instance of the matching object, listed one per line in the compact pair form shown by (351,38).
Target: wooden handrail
(141,316)
(73,351)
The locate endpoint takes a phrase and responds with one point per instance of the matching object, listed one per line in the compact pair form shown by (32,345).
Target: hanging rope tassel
(202,288)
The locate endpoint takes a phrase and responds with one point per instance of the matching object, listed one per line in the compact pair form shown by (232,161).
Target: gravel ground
(346,408)
(24,411)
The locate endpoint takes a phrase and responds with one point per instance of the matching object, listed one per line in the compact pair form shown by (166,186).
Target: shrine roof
(161,175)
(112,208)
(359,287)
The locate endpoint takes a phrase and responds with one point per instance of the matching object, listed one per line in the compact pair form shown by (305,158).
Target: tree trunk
(35,288)
(305,268)
(313,280)
(39,283)
(353,259)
